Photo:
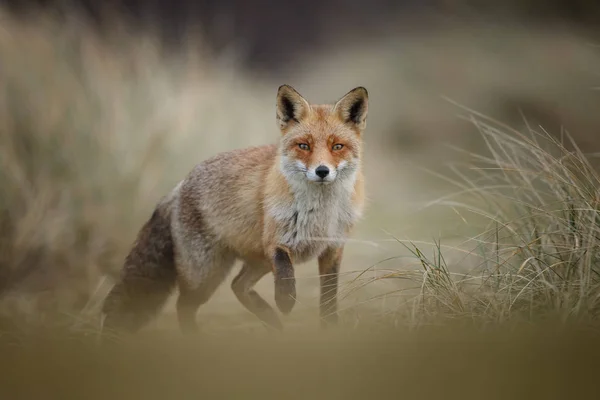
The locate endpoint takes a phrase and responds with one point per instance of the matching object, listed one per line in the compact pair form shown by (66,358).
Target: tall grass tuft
(537,256)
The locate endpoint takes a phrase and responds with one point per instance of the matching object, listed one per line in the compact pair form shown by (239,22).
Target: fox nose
(322,171)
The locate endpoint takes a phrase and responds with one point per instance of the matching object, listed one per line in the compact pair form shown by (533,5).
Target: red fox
(269,206)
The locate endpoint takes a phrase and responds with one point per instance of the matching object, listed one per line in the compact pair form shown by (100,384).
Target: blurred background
(104,106)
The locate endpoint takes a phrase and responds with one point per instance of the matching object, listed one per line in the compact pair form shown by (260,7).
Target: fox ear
(353,107)
(291,106)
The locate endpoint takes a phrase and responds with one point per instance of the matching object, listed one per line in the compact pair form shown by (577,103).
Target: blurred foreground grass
(546,362)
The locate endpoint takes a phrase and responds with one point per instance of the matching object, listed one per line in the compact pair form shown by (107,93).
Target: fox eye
(338,146)
(304,146)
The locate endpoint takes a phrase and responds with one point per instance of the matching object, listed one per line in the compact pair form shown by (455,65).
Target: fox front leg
(285,282)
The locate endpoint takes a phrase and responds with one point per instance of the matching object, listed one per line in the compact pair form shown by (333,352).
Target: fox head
(321,144)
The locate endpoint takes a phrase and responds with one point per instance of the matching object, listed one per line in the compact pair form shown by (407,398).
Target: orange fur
(270,206)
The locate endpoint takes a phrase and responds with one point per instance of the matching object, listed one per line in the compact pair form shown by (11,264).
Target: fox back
(301,193)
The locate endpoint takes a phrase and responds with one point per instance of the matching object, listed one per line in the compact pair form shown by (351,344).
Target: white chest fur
(317,217)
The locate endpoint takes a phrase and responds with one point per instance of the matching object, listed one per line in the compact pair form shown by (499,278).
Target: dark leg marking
(285,282)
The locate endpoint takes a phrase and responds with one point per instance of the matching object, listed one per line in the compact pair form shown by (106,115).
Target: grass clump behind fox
(538,255)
